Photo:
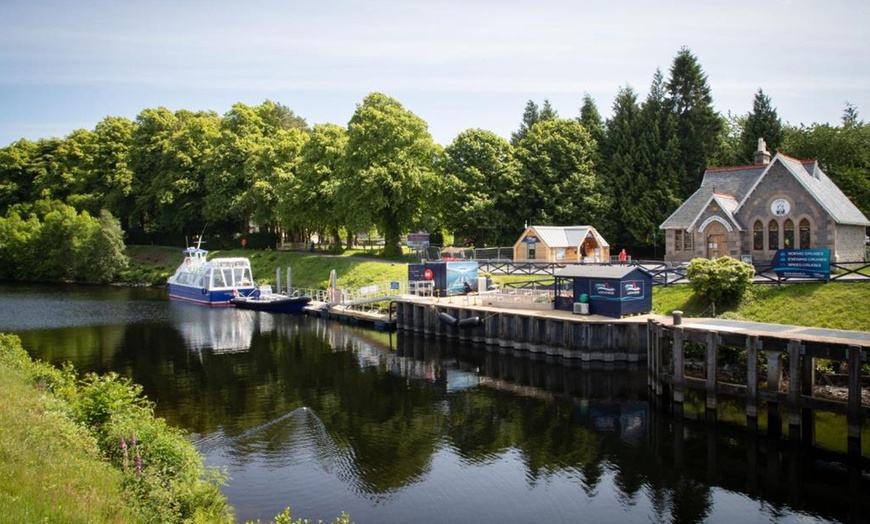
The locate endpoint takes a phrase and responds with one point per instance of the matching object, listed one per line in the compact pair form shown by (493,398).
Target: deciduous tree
(482,186)
(390,157)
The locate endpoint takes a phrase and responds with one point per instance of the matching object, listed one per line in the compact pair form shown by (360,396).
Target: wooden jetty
(779,371)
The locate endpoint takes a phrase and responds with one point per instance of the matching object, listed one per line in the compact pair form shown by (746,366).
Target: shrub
(722,281)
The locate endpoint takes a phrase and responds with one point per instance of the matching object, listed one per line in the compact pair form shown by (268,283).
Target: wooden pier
(778,375)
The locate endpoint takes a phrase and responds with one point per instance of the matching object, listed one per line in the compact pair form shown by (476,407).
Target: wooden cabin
(562,244)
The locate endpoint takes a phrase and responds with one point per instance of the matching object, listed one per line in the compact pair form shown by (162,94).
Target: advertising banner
(618,291)
(803,263)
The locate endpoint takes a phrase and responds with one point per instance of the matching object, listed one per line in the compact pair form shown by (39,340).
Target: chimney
(762,156)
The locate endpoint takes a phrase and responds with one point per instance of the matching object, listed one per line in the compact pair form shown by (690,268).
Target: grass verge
(50,470)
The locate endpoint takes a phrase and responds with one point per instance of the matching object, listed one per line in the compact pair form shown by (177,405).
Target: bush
(721,281)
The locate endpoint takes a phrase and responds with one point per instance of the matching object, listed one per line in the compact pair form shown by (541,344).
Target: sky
(457,64)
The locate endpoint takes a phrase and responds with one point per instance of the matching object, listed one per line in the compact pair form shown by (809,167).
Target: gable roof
(736,184)
(733,182)
(816,182)
(568,236)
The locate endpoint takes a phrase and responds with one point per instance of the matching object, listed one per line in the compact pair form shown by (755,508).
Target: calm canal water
(325,417)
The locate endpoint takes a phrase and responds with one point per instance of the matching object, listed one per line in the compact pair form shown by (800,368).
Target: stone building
(749,212)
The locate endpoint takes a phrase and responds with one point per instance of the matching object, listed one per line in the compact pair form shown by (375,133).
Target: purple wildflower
(138,464)
(123,445)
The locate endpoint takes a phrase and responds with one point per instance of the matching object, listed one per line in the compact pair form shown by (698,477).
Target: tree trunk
(392,249)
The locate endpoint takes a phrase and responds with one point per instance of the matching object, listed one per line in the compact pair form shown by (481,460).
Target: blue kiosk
(611,291)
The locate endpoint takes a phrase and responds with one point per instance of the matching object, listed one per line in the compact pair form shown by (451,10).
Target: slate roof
(596,271)
(735,184)
(828,195)
(569,236)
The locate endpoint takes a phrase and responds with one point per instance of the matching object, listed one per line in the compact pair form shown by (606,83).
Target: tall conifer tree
(698,124)
(762,122)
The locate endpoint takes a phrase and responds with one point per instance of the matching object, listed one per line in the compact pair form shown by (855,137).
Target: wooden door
(717,246)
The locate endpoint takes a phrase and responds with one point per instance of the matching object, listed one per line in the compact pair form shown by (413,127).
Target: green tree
(253,156)
(559,183)
(532,114)
(661,147)
(482,184)
(591,118)
(180,186)
(107,173)
(17,172)
(762,122)
(698,124)
(629,173)
(390,178)
(313,201)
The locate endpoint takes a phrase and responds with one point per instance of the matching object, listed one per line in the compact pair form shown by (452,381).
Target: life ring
(428,274)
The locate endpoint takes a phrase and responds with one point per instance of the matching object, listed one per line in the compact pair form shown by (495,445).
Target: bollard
(678,317)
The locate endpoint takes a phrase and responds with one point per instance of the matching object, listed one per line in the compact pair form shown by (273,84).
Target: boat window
(241,276)
(218,278)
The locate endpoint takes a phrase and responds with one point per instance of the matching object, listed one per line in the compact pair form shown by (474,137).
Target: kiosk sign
(803,263)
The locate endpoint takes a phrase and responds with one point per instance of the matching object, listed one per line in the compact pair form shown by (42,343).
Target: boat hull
(273,304)
(206,297)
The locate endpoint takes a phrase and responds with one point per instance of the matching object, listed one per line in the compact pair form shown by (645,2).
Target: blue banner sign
(803,263)
(614,290)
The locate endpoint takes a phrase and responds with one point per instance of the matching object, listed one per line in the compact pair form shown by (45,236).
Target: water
(325,417)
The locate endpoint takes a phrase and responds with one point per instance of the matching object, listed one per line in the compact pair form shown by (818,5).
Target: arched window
(772,235)
(758,236)
(788,234)
(804,233)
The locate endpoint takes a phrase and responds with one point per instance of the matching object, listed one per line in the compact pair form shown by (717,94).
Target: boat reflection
(218,330)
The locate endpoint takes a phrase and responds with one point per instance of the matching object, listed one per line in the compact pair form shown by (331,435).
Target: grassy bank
(50,470)
(89,449)
(834,305)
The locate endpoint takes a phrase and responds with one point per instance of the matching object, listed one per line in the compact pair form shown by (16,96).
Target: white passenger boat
(211,282)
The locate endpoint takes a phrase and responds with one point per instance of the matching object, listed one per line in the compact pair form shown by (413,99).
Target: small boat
(211,282)
(265,300)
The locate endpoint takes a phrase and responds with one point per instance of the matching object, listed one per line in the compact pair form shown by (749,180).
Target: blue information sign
(803,263)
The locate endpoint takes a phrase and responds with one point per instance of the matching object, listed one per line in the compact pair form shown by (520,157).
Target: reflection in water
(221,330)
(326,417)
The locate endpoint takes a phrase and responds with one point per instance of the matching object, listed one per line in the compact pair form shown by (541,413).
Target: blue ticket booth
(611,291)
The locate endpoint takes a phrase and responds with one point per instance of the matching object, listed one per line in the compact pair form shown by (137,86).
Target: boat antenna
(199,242)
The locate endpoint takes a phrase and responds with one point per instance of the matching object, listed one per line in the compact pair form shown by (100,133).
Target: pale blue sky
(457,64)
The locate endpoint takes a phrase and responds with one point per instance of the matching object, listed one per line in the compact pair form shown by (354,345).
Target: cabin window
(218,279)
(758,236)
(804,234)
(788,234)
(773,235)
(531,251)
(687,241)
(678,240)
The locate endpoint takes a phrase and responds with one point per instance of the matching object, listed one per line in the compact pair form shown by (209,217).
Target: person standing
(622,257)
